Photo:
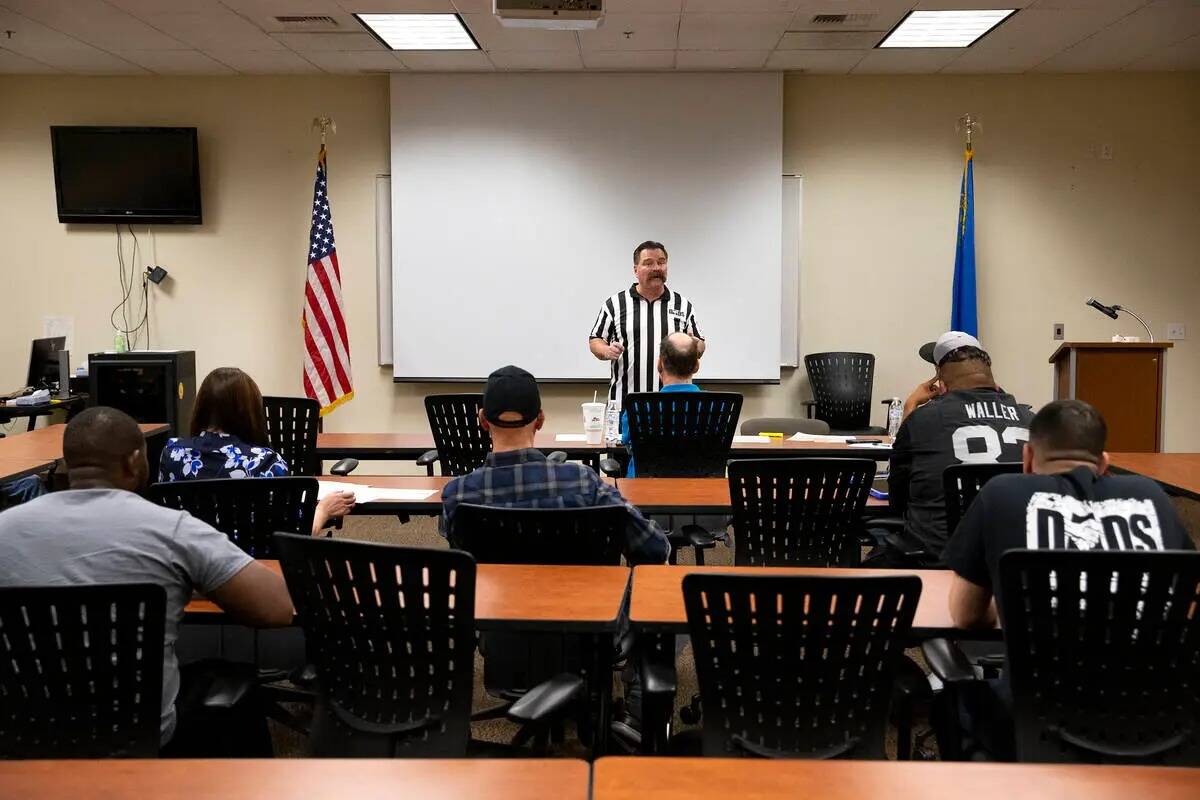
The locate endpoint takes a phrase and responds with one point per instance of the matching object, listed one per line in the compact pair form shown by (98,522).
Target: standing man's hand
(923,394)
(613,351)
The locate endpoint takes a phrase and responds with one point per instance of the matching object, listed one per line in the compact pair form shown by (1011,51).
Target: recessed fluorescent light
(944,28)
(419,31)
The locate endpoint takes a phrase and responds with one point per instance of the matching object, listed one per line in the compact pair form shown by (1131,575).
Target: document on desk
(374,494)
(870,445)
(738,439)
(814,437)
(570,437)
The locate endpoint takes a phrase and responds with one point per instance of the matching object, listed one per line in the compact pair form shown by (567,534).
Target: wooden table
(691,495)
(46,443)
(12,469)
(309,778)
(1179,473)
(410,446)
(761,779)
(518,597)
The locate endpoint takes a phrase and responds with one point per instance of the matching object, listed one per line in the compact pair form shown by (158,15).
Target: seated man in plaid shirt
(517,475)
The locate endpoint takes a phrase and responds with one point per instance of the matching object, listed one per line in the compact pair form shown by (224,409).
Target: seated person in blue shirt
(678,362)
(229,440)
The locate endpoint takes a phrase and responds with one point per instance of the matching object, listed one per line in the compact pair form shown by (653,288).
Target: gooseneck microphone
(1112,310)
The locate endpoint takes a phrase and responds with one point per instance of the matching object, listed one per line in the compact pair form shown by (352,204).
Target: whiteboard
(517,201)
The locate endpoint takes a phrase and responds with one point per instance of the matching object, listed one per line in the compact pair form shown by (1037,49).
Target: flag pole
(326,124)
(968,124)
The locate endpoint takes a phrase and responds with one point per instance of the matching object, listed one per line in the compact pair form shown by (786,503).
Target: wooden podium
(1124,381)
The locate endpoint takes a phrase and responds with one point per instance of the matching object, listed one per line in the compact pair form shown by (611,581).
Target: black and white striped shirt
(640,325)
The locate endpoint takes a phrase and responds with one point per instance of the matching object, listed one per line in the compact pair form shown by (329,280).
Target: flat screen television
(126,175)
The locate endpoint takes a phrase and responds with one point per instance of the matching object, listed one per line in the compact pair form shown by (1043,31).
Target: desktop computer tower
(150,386)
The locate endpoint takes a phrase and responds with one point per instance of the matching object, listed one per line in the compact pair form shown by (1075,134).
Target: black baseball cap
(511,389)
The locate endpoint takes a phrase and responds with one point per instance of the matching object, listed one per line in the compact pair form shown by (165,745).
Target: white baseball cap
(947,343)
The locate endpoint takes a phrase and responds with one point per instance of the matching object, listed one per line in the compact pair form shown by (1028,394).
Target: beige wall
(881,164)
(1054,224)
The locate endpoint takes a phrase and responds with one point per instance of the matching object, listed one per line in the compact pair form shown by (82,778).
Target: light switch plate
(1176,331)
(1059,331)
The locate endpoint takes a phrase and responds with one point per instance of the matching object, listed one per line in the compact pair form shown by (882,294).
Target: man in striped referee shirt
(632,323)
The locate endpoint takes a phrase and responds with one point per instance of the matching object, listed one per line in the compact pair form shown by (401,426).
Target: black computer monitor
(43,362)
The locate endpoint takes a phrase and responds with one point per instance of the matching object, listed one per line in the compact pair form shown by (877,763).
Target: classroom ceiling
(226,37)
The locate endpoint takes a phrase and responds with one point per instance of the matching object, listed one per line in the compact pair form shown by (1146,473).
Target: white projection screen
(517,201)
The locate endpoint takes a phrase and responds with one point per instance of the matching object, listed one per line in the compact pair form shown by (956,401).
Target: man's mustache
(657,273)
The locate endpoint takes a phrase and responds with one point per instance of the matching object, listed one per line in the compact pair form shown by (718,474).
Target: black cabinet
(150,386)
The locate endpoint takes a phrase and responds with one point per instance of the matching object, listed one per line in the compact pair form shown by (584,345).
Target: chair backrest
(292,427)
(788,426)
(798,511)
(1103,654)
(797,666)
(462,445)
(587,536)
(81,671)
(391,631)
(682,434)
(841,385)
(962,482)
(247,510)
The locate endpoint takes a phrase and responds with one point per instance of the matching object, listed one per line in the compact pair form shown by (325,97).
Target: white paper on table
(326,488)
(378,494)
(813,437)
(751,439)
(870,445)
(570,437)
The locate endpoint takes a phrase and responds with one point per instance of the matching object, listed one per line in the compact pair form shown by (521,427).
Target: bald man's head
(104,448)
(679,357)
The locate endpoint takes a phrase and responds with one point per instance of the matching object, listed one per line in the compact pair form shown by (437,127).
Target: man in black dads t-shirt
(959,417)
(1066,500)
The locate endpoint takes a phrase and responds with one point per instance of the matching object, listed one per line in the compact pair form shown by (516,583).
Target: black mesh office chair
(681,435)
(460,444)
(391,631)
(961,484)
(292,427)
(797,667)
(247,510)
(81,671)
(798,511)
(515,662)
(841,385)
(1103,655)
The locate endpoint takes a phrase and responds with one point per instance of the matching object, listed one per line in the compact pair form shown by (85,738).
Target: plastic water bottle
(612,422)
(895,414)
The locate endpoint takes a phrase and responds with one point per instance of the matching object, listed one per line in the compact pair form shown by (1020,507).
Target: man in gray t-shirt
(102,532)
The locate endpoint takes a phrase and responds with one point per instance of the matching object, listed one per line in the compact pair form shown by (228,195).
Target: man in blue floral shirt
(517,475)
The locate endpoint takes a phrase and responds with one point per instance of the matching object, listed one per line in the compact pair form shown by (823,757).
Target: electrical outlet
(1059,331)
(1106,152)
(1176,331)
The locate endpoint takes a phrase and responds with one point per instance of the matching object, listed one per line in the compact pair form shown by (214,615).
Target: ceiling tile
(1031,37)
(650,32)
(1182,56)
(537,60)
(831,40)
(400,6)
(721,59)
(643,6)
(328,42)
(1129,39)
(140,8)
(446,60)
(335,61)
(833,62)
(732,31)
(919,60)
(35,41)
(741,6)
(175,62)
(629,60)
(97,23)
(214,29)
(473,6)
(493,36)
(264,62)
(262,13)
(870,15)
(1121,7)
(16,64)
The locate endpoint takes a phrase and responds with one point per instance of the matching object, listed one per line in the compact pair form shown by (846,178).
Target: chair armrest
(947,661)
(659,679)
(611,467)
(810,406)
(902,545)
(557,457)
(547,699)
(888,523)
(227,690)
(427,458)
(697,536)
(344,467)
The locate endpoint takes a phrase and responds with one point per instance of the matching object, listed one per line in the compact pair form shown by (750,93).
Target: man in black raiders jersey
(959,417)
(1067,500)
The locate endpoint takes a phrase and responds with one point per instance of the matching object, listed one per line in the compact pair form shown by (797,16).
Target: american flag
(326,347)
